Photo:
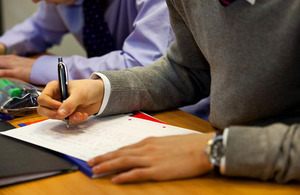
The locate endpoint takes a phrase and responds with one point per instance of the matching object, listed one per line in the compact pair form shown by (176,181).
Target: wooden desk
(77,183)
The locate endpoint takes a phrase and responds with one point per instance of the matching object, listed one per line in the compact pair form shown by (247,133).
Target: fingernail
(77,117)
(63,112)
(95,169)
(114,180)
(90,162)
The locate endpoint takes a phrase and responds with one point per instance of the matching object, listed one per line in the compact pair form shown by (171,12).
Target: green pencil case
(17,97)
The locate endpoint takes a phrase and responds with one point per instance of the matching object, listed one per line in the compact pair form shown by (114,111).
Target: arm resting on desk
(269,153)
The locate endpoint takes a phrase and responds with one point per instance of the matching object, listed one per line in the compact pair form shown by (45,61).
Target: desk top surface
(78,183)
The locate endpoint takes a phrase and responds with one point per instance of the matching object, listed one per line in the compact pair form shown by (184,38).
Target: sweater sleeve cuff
(223,159)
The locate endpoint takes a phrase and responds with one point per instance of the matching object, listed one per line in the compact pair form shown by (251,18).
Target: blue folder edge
(82,165)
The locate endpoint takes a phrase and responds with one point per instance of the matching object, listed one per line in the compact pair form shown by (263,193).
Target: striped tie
(226,2)
(96,36)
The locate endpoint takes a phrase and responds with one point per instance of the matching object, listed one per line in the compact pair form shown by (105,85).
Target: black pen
(63,83)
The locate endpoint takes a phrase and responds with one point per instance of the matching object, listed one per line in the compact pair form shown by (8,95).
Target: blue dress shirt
(140,29)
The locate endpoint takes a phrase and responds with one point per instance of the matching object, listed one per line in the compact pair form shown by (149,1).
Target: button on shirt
(140,28)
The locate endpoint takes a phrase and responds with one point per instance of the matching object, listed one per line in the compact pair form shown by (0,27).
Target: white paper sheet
(93,137)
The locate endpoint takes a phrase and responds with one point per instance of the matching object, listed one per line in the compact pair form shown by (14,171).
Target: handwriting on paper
(93,137)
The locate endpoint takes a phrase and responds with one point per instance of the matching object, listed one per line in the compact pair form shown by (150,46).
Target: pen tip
(67,123)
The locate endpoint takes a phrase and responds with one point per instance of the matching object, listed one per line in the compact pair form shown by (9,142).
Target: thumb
(67,107)
(63,112)
(71,104)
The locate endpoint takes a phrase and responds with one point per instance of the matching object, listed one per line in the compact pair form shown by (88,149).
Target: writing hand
(16,67)
(157,158)
(85,99)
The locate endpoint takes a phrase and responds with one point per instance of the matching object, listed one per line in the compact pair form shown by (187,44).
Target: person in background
(127,34)
(245,56)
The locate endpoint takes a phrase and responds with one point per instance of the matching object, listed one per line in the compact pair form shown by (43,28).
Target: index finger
(49,96)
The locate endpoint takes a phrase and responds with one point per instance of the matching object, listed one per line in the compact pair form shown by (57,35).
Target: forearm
(36,33)
(17,39)
(152,88)
(269,153)
(81,67)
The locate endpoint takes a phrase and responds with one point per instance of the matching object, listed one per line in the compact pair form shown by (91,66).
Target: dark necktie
(96,36)
(226,2)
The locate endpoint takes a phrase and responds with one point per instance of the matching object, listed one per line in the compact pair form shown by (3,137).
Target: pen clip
(65,68)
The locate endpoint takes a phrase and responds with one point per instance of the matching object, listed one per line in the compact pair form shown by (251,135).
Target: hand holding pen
(85,99)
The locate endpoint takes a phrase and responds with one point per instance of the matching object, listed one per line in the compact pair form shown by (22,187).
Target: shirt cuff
(107,90)
(223,159)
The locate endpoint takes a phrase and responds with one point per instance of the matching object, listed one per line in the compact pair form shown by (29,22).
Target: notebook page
(93,137)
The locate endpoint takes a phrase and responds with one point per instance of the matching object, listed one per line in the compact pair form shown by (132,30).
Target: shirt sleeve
(148,41)
(37,33)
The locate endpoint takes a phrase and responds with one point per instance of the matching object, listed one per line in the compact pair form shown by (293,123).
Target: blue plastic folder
(82,165)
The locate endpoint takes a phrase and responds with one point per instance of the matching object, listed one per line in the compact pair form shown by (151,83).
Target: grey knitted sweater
(247,59)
